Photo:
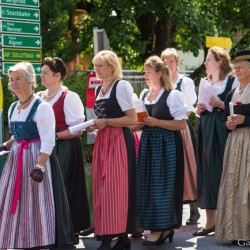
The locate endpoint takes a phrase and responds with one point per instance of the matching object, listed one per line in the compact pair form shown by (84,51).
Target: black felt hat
(242,55)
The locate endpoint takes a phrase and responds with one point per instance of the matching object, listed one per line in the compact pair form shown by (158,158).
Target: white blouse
(124,95)
(175,102)
(73,107)
(222,87)
(45,121)
(188,90)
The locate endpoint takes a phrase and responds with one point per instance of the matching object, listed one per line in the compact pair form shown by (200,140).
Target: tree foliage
(137,29)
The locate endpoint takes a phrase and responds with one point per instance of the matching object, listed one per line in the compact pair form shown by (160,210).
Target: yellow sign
(223,42)
(1,94)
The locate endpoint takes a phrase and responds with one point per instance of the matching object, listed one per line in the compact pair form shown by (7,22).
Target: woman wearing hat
(233,212)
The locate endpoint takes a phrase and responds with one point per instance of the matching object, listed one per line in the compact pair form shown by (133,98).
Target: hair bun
(60,66)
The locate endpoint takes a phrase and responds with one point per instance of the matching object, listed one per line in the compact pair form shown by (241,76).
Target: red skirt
(110,182)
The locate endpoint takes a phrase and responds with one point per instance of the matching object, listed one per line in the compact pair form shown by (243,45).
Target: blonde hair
(155,62)
(28,69)
(110,58)
(222,55)
(171,52)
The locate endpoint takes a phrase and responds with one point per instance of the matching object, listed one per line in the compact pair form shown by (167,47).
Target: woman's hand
(231,125)
(216,102)
(151,121)
(91,128)
(36,175)
(3,148)
(234,120)
(200,107)
(101,123)
(137,127)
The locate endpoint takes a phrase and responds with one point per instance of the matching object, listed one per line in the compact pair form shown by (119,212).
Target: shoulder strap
(34,108)
(230,82)
(178,86)
(13,108)
(145,94)
(98,89)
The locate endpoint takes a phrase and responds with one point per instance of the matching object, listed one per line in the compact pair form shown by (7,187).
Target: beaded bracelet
(107,121)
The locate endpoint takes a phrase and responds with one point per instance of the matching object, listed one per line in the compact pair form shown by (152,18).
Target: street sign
(28,3)
(15,55)
(1,99)
(21,41)
(15,27)
(223,42)
(18,13)
(7,65)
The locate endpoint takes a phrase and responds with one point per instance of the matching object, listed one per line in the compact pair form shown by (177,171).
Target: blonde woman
(114,158)
(159,169)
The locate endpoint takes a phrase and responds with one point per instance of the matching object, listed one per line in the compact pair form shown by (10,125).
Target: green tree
(137,29)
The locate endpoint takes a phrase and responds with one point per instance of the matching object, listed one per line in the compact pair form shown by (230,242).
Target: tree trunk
(146,24)
(163,31)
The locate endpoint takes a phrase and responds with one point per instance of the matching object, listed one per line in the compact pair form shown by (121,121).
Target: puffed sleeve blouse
(124,95)
(73,107)
(188,90)
(175,102)
(45,121)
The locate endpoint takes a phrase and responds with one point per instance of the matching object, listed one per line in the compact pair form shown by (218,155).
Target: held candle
(231,108)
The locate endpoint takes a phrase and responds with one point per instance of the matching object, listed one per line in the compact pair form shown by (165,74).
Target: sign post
(20,40)
(223,42)
(20,32)
(26,3)
(17,13)
(1,123)
(18,27)
(16,55)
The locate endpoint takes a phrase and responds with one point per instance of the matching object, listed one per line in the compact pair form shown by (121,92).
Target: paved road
(183,239)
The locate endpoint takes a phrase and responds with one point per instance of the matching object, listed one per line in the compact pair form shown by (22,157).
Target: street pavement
(183,239)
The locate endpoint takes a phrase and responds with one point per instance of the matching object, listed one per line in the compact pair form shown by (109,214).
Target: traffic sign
(28,3)
(15,55)
(21,41)
(15,27)
(18,13)
(223,42)
(7,65)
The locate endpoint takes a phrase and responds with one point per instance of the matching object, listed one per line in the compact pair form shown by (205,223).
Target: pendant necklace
(105,91)
(154,92)
(22,103)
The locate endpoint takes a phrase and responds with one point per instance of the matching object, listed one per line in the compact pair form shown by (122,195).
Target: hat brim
(241,58)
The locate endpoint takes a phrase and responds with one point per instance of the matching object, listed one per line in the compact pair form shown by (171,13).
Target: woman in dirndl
(186,86)
(114,158)
(69,111)
(160,170)
(233,211)
(212,135)
(34,211)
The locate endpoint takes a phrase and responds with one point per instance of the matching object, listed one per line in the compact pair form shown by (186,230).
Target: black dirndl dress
(160,173)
